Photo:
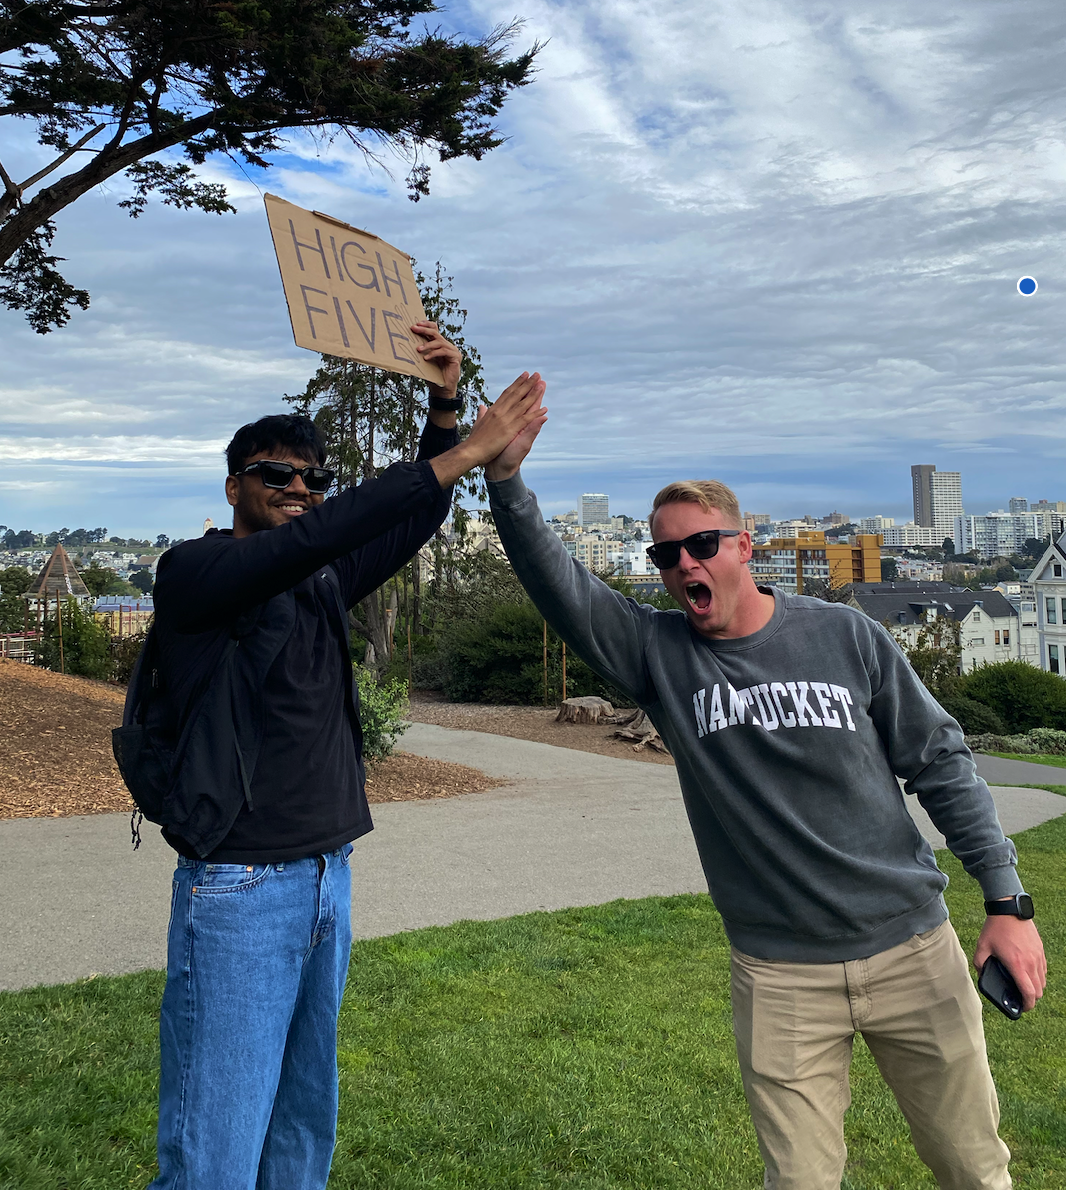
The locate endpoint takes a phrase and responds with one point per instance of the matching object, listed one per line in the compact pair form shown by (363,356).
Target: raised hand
(498,425)
(439,351)
(507,462)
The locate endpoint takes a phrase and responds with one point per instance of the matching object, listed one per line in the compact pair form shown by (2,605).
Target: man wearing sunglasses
(789,720)
(258,708)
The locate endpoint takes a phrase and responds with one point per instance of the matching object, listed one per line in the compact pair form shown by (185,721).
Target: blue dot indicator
(1027,286)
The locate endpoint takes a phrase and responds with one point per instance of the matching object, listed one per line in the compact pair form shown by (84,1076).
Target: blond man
(790,720)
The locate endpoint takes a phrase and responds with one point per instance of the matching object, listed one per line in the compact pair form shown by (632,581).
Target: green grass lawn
(1057,761)
(585,1048)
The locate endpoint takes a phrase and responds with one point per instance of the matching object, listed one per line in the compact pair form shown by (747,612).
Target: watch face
(1025,906)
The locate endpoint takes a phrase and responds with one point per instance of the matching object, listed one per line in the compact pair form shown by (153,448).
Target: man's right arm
(202,584)
(601,625)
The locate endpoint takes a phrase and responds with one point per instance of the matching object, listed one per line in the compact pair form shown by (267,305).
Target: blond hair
(707,493)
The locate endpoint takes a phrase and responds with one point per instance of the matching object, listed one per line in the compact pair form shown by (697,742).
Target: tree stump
(585,710)
(638,727)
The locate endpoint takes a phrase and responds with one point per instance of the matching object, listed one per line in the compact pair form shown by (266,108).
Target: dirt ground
(55,752)
(526,723)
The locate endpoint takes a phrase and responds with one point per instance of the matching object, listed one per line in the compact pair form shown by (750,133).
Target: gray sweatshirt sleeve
(926,748)
(600,624)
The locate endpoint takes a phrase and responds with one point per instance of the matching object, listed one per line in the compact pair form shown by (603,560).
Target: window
(1057,569)
(1053,658)
(977,640)
(977,617)
(1006,636)
(997,636)
(1064,610)
(1049,611)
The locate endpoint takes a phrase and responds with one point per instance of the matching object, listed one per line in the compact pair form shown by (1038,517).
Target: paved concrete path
(570,828)
(1018,772)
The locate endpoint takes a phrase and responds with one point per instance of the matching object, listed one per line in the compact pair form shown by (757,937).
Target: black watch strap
(446,404)
(1020,905)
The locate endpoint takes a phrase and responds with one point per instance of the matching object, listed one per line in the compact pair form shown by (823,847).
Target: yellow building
(789,562)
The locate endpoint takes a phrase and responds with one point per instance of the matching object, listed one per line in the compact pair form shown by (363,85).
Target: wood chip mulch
(526,723)
(56,761)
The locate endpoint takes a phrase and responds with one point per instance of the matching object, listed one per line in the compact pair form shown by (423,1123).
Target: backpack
(144,751)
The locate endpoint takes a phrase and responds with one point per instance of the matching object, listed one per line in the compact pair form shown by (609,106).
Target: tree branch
(105,164)
(59,160)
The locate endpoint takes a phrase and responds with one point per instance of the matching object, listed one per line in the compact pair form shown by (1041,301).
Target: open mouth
(295,509)
(698,595)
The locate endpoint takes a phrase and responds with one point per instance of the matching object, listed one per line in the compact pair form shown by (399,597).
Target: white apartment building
(794,527)
(876,524)
(1049,588)
(947,501)
(595,509)
(997,534)
(900,536)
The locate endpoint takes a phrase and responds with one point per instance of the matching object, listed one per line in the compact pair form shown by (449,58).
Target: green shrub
(1049,741)
(972,716)
(426,666)
(124,653)
(499,658)
(86,647)
(13,581)
(381,710)
(1022,696)
(1043,741)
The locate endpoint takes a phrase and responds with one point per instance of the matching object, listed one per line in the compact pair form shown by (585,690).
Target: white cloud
(776,242)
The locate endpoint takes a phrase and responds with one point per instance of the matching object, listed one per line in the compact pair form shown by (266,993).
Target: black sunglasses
(667,554)
(279,475)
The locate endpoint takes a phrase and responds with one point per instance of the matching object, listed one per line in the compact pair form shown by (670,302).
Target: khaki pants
(917,1009)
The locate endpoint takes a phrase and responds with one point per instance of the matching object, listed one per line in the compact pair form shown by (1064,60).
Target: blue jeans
(257,957)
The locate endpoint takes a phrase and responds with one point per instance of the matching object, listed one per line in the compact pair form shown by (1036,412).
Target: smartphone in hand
(997,986)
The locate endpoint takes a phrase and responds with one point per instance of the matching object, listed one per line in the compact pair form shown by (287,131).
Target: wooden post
(564,671)
(545,662)
(59,624)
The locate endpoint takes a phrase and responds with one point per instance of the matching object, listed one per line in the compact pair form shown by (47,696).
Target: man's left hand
(445,355)
(1017,945)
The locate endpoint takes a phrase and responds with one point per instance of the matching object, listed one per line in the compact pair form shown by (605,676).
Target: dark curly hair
(297,434)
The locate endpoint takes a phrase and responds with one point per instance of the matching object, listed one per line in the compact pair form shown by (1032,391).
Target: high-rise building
(923,493)
(937,498)
(594,510)
(876,524)
(1019,504)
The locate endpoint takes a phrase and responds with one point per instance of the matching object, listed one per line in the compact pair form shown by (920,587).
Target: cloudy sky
(774,243)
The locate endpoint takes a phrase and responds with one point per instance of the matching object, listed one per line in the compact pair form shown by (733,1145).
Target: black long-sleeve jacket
(268,756)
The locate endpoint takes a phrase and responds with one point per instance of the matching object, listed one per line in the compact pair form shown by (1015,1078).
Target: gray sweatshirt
(788,743)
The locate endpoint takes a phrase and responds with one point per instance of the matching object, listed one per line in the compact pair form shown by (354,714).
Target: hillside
(55,752)
(55,744)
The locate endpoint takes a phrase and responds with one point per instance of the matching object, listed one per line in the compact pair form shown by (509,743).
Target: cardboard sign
(349,293)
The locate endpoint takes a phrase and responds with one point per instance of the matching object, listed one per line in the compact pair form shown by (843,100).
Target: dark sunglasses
(279,475)
(667,554)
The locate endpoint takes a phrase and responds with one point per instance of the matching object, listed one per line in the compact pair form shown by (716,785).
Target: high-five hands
(507,462)
(499,428)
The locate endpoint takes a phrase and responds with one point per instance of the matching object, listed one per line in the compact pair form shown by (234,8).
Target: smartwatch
(1020,905)
(446,404)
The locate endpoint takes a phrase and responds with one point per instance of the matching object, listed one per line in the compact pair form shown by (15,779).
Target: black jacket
(210,589)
